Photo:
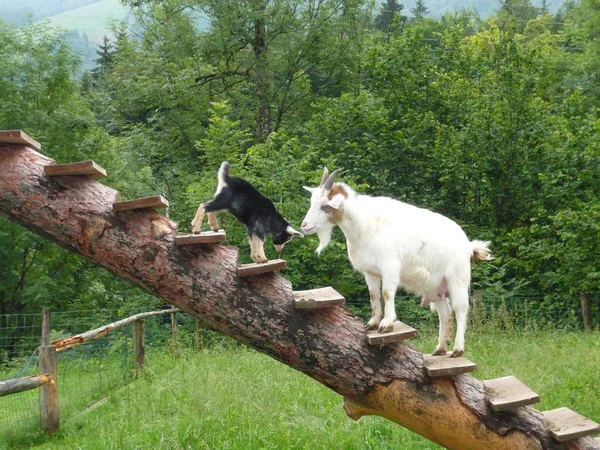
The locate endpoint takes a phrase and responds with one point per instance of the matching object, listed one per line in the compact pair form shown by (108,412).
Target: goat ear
(293,232)
(309,189)
(336,201)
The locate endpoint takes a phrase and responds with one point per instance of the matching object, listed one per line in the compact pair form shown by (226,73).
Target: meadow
(231,397)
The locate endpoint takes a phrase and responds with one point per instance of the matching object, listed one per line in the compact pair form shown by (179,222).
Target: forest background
(491,121)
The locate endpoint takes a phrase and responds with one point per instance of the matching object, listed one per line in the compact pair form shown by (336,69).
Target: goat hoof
(371,326)
(215,229)
(457,353)
(386,326)
(439,352)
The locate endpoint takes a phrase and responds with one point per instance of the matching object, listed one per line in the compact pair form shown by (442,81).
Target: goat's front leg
(389,295)
(374,283)
(257,249)
(198,219)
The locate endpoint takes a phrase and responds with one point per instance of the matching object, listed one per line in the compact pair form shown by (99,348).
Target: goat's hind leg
(374,283)
(459,296)
(221,201)
(198,219)
(443,309)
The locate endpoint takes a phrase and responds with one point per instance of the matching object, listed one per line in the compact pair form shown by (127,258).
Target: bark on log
(327,345)
(13,386)
(71,341)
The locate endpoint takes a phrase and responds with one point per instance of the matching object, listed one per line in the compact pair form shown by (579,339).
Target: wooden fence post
(139,345)
(174,332)
(48,392)
(478,314)
(199,336)
(586,311)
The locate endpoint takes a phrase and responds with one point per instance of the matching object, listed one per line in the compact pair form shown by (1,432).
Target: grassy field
(235,398)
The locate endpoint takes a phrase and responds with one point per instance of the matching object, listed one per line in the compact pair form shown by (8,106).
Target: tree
(105,57)
(388,13)
(420,10)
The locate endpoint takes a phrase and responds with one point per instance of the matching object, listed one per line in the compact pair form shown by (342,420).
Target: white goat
(395,244)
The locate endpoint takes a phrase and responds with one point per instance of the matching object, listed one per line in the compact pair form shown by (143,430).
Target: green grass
(235,398)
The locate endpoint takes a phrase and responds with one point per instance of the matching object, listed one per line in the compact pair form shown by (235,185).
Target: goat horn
(324,177)
(329,183)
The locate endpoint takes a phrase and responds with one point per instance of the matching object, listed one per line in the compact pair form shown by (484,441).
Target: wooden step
(246,270)
(158,201)
(326,297)
(566,425)
(444,366)
(400,333)
(207,237)
(86,168)
(508,393)
(19,138)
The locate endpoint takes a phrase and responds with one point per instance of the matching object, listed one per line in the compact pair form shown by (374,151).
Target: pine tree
(420,10)
(104,61)
(385,18)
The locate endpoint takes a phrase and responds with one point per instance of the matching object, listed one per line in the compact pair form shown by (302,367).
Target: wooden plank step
(400,333)
(508,393)
(208,237)
(158,201)
(18,137)
(566,425)
(87,168)
(326,297)
(246,270)
(444,366)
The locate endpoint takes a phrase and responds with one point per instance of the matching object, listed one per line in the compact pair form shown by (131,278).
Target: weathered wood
(155,202)
(15,385)
(586,311)
(207,237)
(84,168)
(330,346)
(444,366)
(49,391)
(508,393)
(326,297)
(65,343)
(45,326)
(174,332)
(18,137)
(567,425)
(246,270)
(400,333)
(139,344)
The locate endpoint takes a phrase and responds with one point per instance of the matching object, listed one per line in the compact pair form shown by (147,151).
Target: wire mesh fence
(89,372)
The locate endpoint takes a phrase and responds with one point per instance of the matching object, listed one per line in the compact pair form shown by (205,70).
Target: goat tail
(481,251)
(223,173)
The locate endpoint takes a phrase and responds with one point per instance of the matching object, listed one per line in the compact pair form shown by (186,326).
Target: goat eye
(325,208)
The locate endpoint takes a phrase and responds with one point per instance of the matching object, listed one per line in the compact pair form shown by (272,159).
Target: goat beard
(324,238)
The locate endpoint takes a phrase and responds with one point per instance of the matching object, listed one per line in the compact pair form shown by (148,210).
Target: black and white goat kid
(250,207)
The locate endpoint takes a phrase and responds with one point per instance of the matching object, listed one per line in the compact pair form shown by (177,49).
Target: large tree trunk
(327,345)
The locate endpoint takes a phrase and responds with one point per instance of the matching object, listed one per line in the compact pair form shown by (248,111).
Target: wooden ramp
(326,297)
(246,270)
(19,138)
(207,237)
(156,202)
(400,333)
(566,425)
(444,366)
(85,168)
(509,393)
